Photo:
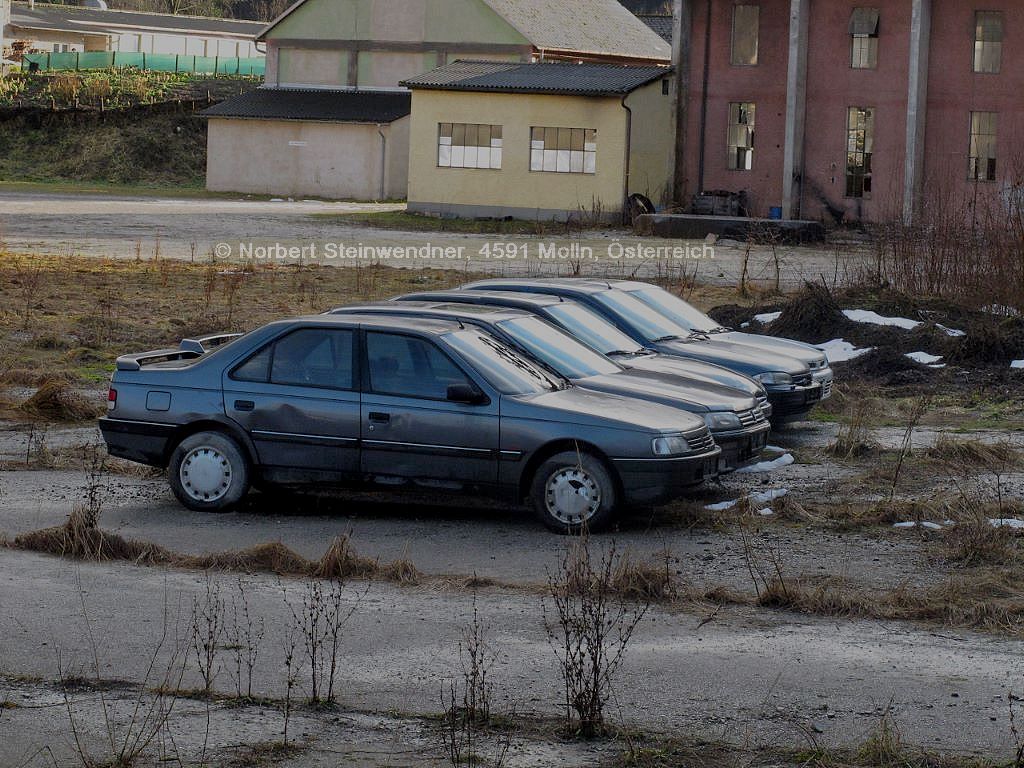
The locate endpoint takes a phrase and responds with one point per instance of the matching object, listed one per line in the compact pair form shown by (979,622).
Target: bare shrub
(854,437)
(320,617)
(466,701)
(589,629)
(207,628)
(245,635)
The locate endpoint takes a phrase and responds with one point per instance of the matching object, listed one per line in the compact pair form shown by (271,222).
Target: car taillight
(111,399)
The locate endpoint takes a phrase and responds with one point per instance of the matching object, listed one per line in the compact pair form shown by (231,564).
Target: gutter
(629,152)
(383,159)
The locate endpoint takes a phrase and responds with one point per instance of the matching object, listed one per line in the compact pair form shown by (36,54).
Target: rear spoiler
(189,349)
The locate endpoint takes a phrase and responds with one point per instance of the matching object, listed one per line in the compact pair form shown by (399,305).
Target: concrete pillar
(917,107)
(796,108)
(681,45)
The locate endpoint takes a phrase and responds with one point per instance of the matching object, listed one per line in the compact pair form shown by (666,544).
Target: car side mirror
(466,393)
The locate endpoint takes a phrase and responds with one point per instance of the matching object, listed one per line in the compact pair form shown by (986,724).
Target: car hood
(695,371)
(737,357)
(670,390)
(805,353)
(586,407)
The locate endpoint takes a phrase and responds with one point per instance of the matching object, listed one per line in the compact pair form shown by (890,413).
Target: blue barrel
(775,212)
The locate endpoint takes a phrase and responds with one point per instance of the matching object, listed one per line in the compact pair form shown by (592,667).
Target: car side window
(310,357)
(410,367)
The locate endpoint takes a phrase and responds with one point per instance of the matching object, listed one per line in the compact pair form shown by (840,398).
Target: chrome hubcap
(572,496)
(205,474)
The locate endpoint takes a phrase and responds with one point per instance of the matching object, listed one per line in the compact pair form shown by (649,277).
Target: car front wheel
(208,472)
(572,490)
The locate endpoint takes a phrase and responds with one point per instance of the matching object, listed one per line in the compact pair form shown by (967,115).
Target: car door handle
(380,418)
(245,405)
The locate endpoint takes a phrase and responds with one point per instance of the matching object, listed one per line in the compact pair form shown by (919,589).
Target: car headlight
(717,421)
(673,445)
(774,378)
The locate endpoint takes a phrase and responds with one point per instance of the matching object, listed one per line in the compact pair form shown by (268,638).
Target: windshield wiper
(719,329)
(626,353)
(670,337)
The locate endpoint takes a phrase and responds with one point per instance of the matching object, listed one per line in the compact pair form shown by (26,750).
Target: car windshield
(675,309)
(556,348)
(593,329)
(501,365)
(646,320)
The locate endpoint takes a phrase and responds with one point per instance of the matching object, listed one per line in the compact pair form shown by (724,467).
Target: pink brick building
(859,110)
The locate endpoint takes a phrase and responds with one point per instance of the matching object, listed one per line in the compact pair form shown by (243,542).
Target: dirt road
(195,228)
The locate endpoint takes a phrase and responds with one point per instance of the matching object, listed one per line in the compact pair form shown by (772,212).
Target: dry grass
(646,581)
(56,401)
(975,453)
(80,538)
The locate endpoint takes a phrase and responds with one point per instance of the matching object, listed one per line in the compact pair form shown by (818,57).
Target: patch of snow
(927,524)
(950,331)
(721,506)
(744,325)
(1000,309)
(910,524)
(767,466)
(768,317)
(767,512)
(839,351)
(867,316)
(924,358)
(774,449)
(1008,522)
(1017,364)
(277,199)
(772,495)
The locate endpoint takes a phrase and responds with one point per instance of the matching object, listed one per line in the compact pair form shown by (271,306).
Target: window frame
(973,165)
(750,107)
(980,42)
(367,381)
(570,141)
(733,36)
(272,344)
(867,173)
(476,147)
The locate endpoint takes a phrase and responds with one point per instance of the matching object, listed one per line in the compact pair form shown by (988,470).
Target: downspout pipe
(629,152)
(704,100)
(383,160)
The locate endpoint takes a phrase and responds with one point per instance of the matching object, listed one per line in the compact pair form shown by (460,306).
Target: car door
(410,430)
(298,398)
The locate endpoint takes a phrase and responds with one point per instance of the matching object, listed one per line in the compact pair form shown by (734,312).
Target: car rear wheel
(572,490)
(208,472)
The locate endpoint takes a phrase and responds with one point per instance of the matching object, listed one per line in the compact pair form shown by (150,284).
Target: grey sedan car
(791,388)
(739,427)
(371,400)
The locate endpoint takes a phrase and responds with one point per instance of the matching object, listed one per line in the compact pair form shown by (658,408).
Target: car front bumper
(739,447)
(656,481)
(792,403)
(139,441)
(824,377)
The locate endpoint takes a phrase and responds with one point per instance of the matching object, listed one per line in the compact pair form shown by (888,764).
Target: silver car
(378,401)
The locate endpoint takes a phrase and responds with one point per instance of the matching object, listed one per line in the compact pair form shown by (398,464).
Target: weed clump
(81,538)
(56,401)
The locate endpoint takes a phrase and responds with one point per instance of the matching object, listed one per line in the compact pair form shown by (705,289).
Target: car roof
(443,308)
(506,298)
(579,285)
(432,326)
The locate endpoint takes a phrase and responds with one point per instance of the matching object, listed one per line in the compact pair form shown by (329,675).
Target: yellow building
(538,141)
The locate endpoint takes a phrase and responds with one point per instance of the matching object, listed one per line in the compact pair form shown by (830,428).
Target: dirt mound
(56,401)
(889,367)
(989,341)
(812,315)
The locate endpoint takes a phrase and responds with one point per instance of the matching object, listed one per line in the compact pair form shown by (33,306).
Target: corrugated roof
(590,27)
(69,18)
(544,77)
(582,26)
(663,26)
(322,106)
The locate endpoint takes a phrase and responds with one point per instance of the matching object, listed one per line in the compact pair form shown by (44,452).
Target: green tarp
(157,62)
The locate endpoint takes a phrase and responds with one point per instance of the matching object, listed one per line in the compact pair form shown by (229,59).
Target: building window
(469,145)
(988,41)
(563,150)
(864,37)
(741,136)
(983,147)
(746,20)
(860,139)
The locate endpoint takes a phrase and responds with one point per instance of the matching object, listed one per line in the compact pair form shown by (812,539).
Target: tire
(208,472)
(572,490)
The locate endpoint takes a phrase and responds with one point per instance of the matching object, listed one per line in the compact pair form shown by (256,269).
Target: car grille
(826,389)
(762,401)
(803,380)
(700,441)
(751,417)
